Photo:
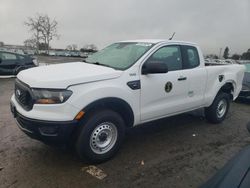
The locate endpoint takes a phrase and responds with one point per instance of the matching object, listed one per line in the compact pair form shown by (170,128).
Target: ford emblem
(18,92)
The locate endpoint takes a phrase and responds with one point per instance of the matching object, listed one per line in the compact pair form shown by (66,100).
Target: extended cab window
(191,57)
(170,55)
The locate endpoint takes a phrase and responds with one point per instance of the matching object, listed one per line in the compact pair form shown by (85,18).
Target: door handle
(182,78)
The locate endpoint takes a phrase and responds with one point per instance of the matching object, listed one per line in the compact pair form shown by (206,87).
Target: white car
(90,104)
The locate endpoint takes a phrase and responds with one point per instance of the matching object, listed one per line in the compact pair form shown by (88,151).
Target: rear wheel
(101,136)
(217,112)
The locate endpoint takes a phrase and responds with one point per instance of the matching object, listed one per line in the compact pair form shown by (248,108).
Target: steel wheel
(217,111)
(103,138)
(221,108)
(100,136)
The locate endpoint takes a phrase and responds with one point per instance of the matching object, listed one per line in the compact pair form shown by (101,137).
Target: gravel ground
(181,151)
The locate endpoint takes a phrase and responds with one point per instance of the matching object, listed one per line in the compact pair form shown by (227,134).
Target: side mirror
(154,68)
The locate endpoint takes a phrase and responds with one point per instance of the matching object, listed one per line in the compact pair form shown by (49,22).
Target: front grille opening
(23,95)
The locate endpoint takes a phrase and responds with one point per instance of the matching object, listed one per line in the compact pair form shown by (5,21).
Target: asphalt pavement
(180,151)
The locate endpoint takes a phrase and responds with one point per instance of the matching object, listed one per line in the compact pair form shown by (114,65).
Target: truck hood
(66,74)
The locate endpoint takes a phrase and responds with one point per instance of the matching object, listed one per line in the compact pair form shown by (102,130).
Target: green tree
(246,55)
(235,56)
(226,53)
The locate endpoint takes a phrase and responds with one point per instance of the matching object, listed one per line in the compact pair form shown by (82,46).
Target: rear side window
(170,55)
(8,56)
(21,57)
(190,57)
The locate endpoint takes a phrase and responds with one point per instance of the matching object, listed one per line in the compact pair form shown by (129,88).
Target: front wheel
(101,136)
(217,112)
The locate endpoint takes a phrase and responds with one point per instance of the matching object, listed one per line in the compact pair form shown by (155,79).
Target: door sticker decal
(168,87)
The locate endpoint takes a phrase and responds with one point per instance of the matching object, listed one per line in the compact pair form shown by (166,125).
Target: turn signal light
(46,101)
(79,115)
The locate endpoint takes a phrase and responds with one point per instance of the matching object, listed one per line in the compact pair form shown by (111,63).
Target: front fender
(85,94)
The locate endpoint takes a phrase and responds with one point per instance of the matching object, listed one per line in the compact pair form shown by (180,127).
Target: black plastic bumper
(49,132)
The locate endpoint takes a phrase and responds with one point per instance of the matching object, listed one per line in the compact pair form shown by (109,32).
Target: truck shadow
(165,133)
(243,101)
(148,137)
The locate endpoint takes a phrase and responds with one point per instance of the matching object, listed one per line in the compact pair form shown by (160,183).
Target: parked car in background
(230,61)
(67,54)
(245,91)
(74,53)
(52,53)
(29,52)
(59,53)
(84,54)
(62,53)
(12,63)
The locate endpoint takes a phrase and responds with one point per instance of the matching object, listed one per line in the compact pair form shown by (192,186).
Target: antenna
(172,36)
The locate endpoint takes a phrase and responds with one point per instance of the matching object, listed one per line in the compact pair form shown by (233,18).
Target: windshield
(248,67)
(120,55)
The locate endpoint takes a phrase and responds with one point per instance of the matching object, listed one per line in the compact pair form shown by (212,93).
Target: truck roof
(155,41)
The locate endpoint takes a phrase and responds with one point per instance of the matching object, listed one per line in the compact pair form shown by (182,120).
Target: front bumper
(49,132)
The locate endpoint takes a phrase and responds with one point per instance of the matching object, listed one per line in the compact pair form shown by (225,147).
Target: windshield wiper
(98,63)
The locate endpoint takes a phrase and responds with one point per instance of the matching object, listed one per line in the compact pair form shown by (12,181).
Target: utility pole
(220,53)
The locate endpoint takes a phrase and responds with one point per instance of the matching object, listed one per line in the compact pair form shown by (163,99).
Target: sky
(213,24)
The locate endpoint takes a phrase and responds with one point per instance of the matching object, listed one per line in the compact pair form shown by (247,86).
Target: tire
(217,112)
(101,136)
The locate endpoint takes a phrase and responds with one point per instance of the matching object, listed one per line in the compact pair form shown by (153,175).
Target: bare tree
(69,47)
(72,47)
(89,48)
(43,28)
(31,43)
(34,25)
(93,47)
(48,29)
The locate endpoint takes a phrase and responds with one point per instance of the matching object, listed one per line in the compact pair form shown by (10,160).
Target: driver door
(164,94)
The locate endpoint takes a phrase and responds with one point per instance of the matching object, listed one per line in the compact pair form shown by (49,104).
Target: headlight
(51,96)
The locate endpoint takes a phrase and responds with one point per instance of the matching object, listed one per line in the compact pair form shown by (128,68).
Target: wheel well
(227,88)
(118,105)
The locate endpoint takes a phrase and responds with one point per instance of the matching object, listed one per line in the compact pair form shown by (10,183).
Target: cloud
(213,24)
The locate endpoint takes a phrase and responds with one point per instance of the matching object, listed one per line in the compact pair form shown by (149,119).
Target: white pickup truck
(91,103)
